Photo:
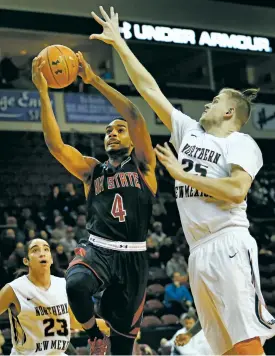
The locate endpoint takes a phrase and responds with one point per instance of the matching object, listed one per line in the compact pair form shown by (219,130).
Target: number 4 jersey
(119,202)
(43,325)
(209,156)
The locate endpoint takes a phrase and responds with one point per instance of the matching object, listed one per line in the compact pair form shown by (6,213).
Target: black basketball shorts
(124,279)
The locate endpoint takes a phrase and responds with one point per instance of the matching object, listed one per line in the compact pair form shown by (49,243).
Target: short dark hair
(27,247)
(244,100)
(119,118)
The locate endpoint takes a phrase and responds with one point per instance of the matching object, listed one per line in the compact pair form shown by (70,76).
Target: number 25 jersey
(206,155)
(119,202)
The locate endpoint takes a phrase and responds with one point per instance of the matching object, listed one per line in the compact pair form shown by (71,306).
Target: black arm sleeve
(195,329)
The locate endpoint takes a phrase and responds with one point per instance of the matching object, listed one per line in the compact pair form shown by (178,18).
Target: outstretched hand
(37,76)
(111,33)
(167,158)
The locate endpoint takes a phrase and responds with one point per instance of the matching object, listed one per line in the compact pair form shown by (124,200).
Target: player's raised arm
(67,155)
(141,78)
(136,123)
(7,297)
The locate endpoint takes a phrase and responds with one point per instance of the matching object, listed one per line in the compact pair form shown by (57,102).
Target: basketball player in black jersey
(118,194)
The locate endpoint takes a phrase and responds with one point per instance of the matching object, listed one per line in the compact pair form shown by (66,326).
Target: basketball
(61,66)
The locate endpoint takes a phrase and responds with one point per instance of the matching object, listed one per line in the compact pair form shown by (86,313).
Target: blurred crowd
(62,222)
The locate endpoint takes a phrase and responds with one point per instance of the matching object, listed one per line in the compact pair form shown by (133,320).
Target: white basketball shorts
(225,282)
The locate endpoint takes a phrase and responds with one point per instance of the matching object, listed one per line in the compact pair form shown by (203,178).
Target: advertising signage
(194,37)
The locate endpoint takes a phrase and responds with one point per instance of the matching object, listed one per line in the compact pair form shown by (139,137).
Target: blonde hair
(244,102)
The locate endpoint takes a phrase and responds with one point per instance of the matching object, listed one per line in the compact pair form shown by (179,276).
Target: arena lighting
(155,33)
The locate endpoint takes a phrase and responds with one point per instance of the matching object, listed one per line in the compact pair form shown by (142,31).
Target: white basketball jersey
(43,325)
(206,155)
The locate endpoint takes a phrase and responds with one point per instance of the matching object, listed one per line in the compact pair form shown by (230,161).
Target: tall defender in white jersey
(216,167)
(38,306)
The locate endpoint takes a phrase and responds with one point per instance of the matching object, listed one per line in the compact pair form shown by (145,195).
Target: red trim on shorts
(135,331)
(110,326)
(139,311)
(79,262)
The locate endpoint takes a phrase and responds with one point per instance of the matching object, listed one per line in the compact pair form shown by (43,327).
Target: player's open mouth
(43,262)
(113,143)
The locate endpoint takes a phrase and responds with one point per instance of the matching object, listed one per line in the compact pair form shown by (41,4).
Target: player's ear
(51,260)
(26,261)
(230,112)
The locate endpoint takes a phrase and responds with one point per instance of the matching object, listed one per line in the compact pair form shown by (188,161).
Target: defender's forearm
(226,189)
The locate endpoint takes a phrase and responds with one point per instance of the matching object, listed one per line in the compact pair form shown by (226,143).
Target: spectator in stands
(29,225)
(55,200)
(177,264)
(26,220)
(180,237)
(158,235)
(105,71)
(71,199)
(69,242)
(8,243)
(168,346)
(81,234)
(8,71)
(11,222)
(43,235)
(25,81)
(152,252)
(15,260)
(31,234)
(60,230)
(61,257)
(177,292)
(166,251)
(158,211)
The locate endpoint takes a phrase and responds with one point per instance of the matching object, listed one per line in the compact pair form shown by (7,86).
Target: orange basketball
(61,66)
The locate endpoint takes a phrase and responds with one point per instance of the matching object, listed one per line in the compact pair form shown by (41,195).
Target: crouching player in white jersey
(38,307)
(214,171)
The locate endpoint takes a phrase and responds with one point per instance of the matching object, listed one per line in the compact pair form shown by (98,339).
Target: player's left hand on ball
(111,33)
(167,158)
(37,76)
(85,71)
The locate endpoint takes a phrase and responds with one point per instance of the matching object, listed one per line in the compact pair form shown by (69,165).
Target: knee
(80,280)
(75,284)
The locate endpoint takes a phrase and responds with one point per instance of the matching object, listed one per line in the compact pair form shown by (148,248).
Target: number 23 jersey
(43,325)
(209,156)
(119,202)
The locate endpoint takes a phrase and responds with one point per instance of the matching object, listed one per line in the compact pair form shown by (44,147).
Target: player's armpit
(7,297)
(80,166)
